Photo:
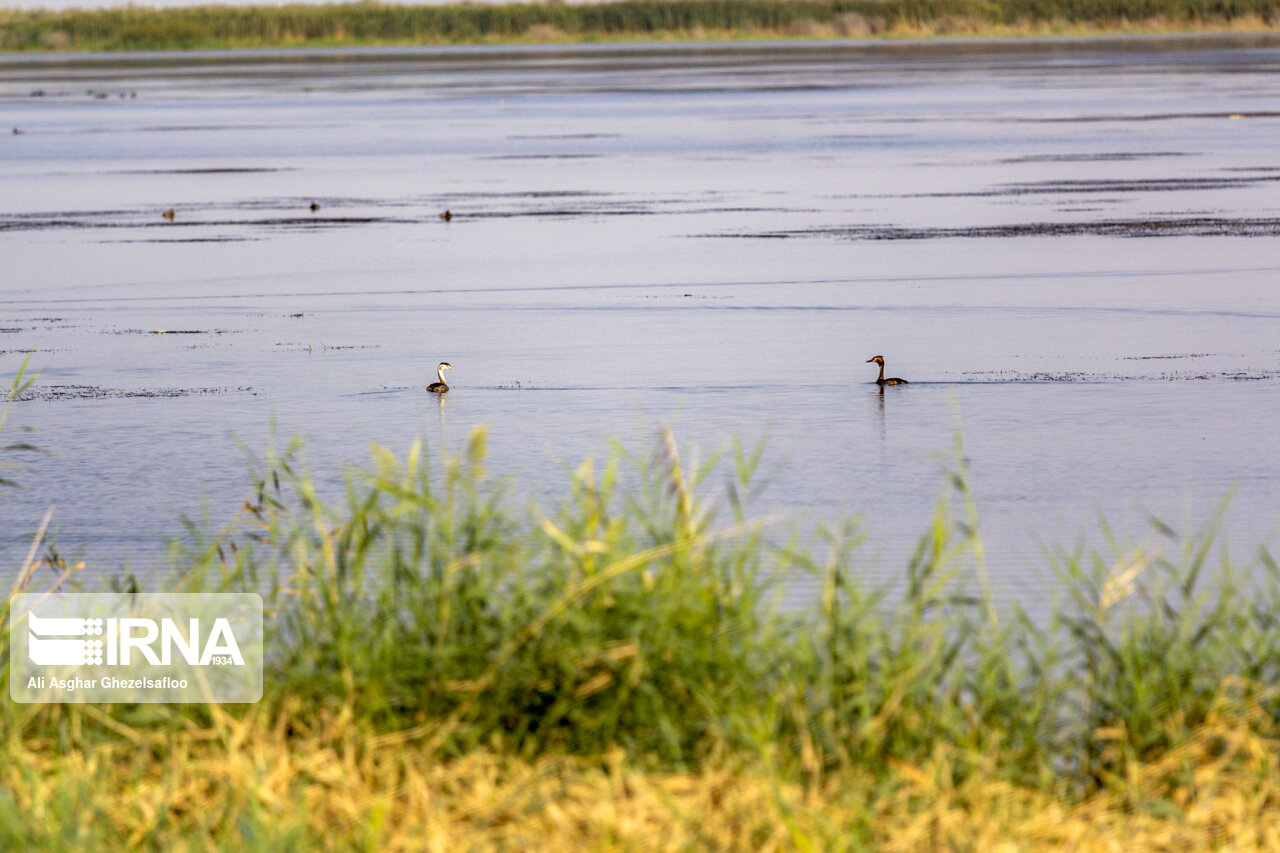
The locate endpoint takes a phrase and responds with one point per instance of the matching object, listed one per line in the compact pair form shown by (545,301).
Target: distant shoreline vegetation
(214,27)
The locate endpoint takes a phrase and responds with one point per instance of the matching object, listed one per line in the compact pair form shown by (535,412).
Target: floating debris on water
(175,331)
(189,240)
(287,347)
(399,211)
(1203,226)
(1103,185)
(1081,376)
(182,332)
(209,170)
(95,392)
(1098,157)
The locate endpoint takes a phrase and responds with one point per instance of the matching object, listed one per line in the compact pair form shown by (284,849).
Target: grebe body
(441,386)
(880,380)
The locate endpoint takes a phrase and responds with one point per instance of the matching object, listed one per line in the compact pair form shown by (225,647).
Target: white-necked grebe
(441,386)
(881,381)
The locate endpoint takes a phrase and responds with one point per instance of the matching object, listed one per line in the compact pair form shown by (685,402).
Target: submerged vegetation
(449,670)
(209,27)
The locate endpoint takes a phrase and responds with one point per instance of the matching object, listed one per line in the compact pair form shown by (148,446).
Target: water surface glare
(1069,247)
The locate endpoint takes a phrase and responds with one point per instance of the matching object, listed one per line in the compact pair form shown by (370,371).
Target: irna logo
(68,641)
(135,647)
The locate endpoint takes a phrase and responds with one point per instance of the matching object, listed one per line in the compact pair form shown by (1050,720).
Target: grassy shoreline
(368,24)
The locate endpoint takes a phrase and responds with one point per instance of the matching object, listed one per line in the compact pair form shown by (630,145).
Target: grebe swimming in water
(881,381)
(441,386)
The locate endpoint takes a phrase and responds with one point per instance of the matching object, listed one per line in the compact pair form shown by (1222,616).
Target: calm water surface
(1071,249)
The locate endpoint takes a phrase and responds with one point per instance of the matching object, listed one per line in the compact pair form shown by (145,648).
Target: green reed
(8,452)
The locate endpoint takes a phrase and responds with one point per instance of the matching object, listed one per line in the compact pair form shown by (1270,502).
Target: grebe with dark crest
(441,386)
(880,380)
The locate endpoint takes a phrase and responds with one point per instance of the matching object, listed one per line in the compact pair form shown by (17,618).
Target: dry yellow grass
(257,783)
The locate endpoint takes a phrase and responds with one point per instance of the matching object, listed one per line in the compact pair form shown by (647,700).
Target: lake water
(1071,249)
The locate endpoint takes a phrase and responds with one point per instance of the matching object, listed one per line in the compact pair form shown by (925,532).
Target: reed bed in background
(208,27)
(448,669)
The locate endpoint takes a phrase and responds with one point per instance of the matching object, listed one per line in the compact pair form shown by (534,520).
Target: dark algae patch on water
(265,217)
(52,393)
(1245,375)
(1198,226)
(1101,185)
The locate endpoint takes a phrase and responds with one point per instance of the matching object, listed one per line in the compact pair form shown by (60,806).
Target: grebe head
(877,359)
(444,365)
